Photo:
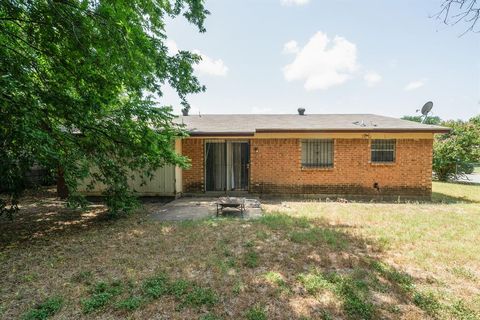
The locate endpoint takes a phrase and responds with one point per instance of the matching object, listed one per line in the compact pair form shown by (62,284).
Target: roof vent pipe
(301,111)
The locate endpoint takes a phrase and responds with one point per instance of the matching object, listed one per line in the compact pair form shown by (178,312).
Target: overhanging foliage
(77,85)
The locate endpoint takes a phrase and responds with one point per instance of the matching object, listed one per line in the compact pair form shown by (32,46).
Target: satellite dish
(427,107)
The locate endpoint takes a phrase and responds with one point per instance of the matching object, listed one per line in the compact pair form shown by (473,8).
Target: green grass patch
(262,235)
(354,303)
(314,282)
(331,237)
(427,302)
(462,312)
(156,286)
(397,278)
(224,265)
(256,313)
(464,273)
(277,279)
(187,292)
(199,297)
(250,259)
(179,288)
(131,303)
(353,289)
(190,224)
(280,221)
(249,244)
(325,315)
(447,192)
(238,288)
(44,310)
(101,295)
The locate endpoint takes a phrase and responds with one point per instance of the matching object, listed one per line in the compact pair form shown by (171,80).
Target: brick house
(315,154)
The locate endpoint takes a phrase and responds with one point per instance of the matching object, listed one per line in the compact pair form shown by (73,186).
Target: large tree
(427,120)
(78,81)
(455,152)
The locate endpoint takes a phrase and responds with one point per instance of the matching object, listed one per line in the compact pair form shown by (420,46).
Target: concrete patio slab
(199,208)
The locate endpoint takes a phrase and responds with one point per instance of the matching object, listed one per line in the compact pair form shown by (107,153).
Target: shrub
(452,152)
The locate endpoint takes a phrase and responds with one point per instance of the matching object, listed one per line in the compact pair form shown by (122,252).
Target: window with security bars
(383,150)
(317,153)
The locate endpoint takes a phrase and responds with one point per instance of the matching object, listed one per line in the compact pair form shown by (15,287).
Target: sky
(339,56)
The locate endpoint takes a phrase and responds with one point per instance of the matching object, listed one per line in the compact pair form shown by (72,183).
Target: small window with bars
(317,153)
(383,150)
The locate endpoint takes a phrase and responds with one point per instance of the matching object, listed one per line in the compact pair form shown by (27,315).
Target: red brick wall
(275,168)
(193,177)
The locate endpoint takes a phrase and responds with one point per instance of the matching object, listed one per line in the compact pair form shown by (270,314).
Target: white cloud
(323,63)
(415,85)
(294,2)
(291,47)
(210,66)
(372,78)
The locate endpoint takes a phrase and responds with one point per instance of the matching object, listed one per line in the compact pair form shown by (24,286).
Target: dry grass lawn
(302,260)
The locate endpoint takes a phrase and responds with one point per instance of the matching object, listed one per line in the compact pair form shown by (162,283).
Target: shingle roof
(248,124)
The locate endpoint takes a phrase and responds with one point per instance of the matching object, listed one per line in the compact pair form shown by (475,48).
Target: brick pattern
(193,178)
(275,168)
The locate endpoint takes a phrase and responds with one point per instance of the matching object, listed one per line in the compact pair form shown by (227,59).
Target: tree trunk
(62,189)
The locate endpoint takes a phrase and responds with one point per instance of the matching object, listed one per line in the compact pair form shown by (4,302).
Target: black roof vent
(301,111)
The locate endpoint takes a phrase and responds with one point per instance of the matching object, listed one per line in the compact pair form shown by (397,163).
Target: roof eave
(220,134)
(369,130)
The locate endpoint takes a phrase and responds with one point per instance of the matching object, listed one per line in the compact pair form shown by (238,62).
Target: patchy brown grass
(303,259)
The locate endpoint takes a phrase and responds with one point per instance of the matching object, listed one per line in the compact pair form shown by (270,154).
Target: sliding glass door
(226,165)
